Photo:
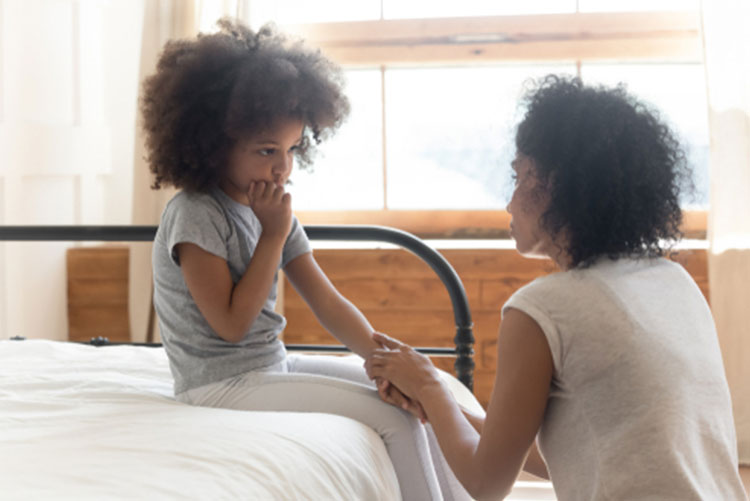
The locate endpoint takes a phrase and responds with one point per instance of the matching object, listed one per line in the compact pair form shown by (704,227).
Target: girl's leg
(346,367)
(404,437)
(352,370)
(449,485)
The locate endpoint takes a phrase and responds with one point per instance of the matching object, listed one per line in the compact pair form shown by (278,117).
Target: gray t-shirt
(639,406)
(219,225)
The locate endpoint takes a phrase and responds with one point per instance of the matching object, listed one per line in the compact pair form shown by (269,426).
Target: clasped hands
(400,374)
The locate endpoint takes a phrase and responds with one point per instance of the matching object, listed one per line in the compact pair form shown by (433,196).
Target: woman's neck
(557,252)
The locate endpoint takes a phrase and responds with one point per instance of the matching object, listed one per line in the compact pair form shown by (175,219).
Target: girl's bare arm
(230,309)
(334,312)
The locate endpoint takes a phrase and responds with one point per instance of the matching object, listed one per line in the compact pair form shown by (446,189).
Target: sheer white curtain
(727,58)
(162,20)
(68,80)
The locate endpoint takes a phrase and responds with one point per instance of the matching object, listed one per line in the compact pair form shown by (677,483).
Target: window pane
(635,5)
(678,91)
(400,9)
(449,134)
(305,11)
(348,170)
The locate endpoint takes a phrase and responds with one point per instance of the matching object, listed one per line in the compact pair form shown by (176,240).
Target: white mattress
(99,423)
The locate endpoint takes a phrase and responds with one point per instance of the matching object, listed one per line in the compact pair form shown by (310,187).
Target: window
(348,171)
(449,137)
(678,91)
(434,89)
(398,9)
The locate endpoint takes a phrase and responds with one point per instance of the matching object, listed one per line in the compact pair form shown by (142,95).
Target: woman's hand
(272,206)
(389,393)
(402,366)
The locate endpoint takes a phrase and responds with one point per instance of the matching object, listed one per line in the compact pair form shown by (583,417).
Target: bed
(98,420)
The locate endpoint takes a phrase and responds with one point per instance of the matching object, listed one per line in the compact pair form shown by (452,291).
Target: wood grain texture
(401,296)
(575,36)
(398,293)
(98,293)
(459,224)
(106,262)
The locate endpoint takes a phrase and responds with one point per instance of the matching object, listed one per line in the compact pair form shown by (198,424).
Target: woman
(611,364)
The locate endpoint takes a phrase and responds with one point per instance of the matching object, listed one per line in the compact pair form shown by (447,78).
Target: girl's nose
(283,167)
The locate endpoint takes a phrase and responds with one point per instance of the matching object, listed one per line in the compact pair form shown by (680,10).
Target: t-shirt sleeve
(196,220)
(530,300)
(296,244)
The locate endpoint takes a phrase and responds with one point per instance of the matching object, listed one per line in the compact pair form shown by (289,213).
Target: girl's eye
(266,152)
(294,148)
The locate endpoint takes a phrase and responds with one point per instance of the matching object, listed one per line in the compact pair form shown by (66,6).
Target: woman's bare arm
(534,464)
(487,464)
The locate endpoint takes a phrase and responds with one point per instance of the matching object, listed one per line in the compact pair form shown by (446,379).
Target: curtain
(727,58)
(68,81)
(162,20)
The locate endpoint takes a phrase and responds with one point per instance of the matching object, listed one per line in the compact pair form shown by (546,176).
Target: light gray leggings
(312,383)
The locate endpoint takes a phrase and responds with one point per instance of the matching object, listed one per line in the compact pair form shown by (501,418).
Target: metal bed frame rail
(464,338)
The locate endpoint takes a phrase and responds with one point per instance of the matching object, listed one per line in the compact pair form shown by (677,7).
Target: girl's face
(529,201)
(265,156)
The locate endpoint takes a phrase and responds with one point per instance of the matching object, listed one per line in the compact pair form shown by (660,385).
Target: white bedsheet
(79,422)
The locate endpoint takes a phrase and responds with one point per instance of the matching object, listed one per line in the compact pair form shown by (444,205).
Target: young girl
(225,116)
(613,362)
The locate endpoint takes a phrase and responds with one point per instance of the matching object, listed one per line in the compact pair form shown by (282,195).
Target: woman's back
(639,407)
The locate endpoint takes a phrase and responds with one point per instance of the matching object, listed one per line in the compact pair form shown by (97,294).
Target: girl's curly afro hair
(613,169)
(210,91)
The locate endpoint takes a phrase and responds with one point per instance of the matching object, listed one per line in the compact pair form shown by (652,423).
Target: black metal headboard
(464,338)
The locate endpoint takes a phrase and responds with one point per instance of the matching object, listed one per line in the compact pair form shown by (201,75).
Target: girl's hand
(393,396)
(272,206)
(398,363)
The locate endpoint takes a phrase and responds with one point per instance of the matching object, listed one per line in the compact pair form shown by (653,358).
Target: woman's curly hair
(210,91)
(613,170)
